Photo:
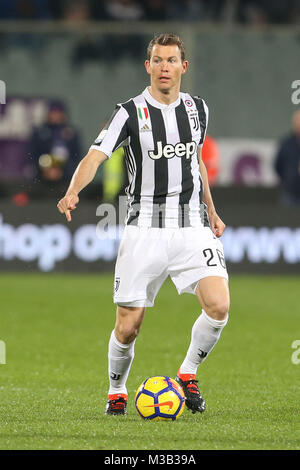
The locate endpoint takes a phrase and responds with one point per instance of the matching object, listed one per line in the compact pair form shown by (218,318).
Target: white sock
(205,334)
(120,357)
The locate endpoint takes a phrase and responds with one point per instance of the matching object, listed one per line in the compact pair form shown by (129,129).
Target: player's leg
(213,295)
(199,268)
(128,323)
(121,354)
(139,274)
(121,346)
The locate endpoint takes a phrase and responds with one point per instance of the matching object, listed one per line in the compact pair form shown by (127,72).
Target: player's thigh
(198,256)
(214,297)
(141,266)
(128,322)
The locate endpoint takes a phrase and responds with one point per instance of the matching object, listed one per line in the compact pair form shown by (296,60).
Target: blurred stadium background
(84,57)
(64,66)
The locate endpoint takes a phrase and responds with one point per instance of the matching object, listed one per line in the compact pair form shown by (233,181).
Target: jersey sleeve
(114,134)
(203,117)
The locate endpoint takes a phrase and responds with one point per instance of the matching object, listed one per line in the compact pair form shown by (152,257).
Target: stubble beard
(165,91)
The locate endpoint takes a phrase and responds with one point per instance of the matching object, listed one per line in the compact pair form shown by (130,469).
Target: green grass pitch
(54,384)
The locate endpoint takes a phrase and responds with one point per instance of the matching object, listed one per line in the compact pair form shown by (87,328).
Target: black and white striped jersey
(160,143)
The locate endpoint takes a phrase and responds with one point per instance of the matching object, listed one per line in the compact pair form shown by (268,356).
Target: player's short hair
(166,39)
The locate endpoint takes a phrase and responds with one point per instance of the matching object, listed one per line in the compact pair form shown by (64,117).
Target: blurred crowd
(239,11)
(54,147)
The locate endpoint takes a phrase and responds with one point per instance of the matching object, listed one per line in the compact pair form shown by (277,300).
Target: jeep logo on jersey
(169,150)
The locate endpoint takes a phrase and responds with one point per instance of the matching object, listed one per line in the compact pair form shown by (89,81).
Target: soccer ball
(160,398)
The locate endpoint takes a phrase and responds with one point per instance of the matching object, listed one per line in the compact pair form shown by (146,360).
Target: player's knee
(125,334)
(128,323)
(218,309)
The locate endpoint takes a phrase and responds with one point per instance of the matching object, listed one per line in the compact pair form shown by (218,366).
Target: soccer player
(172,227)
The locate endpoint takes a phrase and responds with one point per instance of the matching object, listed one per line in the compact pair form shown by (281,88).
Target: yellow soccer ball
(160,398)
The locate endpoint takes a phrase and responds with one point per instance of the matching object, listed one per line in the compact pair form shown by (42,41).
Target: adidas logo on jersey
(170,151)
(145,128)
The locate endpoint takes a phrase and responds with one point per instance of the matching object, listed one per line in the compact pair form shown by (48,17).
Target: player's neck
(165,98)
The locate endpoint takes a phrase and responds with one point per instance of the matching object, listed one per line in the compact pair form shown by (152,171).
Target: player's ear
(147,66)
(185,65)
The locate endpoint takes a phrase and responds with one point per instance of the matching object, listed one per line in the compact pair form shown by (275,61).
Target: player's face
(165,67)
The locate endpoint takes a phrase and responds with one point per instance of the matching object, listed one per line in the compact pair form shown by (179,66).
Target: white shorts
(147,256)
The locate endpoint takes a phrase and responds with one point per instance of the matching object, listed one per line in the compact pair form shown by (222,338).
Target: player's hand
(217,225)
(68,204)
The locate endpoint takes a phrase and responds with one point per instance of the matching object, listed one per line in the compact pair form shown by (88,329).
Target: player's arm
(83,175)
(217,225)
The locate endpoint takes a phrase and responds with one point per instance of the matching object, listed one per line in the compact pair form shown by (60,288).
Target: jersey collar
(158,104)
